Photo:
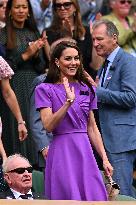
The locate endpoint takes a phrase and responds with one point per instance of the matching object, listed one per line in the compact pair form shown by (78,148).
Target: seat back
(38,181)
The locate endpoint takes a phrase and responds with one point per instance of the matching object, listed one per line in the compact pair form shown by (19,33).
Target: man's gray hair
(110,27)
(10,159)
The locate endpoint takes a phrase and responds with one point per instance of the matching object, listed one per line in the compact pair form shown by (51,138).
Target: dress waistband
(69,131)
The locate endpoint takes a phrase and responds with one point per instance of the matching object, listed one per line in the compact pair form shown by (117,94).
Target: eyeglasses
(65,5)
(21,170)
(125,1)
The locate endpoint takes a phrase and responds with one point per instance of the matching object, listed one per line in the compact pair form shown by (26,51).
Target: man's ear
(7,178)
(115,37)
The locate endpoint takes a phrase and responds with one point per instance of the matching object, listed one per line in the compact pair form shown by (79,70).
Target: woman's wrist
(70,100)
(21,122)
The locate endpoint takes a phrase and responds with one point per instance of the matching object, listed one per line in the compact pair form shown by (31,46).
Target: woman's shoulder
(5,69)
(109,16)
(44,86)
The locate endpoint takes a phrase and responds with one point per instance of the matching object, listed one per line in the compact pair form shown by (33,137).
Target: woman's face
(64,8)
(3,4)
(19,12)
(121,7)
(68,63)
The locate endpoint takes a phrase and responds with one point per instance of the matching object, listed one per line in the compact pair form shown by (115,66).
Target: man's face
(103,43)
(21,182)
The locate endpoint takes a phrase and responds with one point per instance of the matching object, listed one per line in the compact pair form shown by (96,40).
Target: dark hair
(29,23)
(79,31)
(53,75)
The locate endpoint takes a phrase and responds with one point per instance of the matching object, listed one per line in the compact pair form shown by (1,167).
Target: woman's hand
(108,169)
(70,93)
(22,132)
(67,26)
(33,48)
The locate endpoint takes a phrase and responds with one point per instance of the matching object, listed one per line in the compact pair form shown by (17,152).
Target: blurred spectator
(3,4)
(124,23)
(25,55)
(89,9)
(105,9)
(42,10)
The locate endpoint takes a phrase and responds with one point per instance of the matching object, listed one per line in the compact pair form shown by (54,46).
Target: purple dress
(71,169)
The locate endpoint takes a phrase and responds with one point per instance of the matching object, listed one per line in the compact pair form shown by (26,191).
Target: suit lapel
(9,194)
(113,68)
(109,76)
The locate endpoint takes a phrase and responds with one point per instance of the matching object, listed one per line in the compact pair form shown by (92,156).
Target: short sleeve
(93,100)
(43,96)
(5,69)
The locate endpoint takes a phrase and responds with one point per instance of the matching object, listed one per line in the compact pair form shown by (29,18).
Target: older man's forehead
(18,162)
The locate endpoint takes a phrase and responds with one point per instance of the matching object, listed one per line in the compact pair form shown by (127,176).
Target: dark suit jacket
(40,136)
(117,111)
(8,194)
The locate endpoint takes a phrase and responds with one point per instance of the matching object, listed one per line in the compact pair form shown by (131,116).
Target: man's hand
(22,132)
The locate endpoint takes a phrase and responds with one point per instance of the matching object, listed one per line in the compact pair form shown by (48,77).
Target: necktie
(105,65)
(25,196)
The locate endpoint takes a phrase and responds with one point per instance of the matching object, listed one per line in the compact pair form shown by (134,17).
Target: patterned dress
(71,169)
(5,72)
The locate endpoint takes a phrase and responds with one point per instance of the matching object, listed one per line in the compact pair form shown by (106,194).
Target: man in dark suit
(116,92)
(18,175)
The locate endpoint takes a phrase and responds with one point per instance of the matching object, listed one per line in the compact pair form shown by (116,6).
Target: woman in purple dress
(66,102)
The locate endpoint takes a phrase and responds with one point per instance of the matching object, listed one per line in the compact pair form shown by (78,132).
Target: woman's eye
(76,58)
(68,58)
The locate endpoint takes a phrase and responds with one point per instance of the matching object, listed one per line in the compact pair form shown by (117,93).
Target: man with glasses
(124,23)
(18,175)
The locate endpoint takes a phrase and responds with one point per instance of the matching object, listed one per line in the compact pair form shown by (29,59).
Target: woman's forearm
(51,120)
(11,99)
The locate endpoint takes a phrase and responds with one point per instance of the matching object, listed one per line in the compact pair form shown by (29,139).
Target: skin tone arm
(2,151)
(11,101)
(46,45)
(50,120)
(33,48)
(96,141)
